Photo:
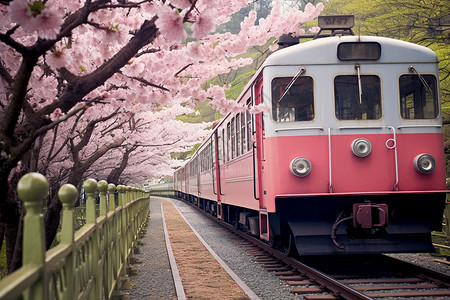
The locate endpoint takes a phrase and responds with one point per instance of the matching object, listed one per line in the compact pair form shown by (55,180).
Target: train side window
(348,103)
(233,139)
(243,131)
(297,104)
(221,146)
(238,135)
(249,126)
(228,141)
(418,99)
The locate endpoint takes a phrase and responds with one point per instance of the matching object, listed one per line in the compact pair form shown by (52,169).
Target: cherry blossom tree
(62,59)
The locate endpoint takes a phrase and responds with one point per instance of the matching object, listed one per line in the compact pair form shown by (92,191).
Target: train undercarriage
(342,224)
(359,224)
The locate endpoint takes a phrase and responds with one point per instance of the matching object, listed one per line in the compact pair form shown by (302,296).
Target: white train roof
(324,51)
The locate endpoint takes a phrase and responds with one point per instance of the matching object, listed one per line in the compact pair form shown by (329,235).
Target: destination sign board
(336,22)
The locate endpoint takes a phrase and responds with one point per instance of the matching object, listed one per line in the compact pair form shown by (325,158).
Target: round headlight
(300,166)
(424,163)
(361,147)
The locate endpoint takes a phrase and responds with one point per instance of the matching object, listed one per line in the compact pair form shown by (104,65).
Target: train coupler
(370,215)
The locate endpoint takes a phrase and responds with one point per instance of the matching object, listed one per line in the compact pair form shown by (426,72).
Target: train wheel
(289,247)
(275,241)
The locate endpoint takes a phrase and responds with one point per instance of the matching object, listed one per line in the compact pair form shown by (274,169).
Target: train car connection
(350,158)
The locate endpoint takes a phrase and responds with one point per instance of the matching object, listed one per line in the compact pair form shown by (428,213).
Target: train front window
(418,97)
(297,104)
(357,99)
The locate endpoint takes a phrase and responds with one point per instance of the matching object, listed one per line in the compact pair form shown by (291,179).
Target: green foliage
(238,85)
(203,113)
(36,7)
(190,153)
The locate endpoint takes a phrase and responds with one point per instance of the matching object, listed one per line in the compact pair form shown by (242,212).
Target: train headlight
(300,166)
(424,163)
(361,147)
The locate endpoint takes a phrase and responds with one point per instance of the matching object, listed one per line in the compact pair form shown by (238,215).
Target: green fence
(162,189)
(87,264)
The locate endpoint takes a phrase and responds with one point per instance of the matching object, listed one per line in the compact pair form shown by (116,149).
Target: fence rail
(162,189)
(87,264)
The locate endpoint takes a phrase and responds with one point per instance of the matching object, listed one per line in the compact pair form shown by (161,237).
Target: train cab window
(418,97)
(297,104)
(357,99)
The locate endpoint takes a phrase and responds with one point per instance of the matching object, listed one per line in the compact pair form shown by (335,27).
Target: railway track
(346,277)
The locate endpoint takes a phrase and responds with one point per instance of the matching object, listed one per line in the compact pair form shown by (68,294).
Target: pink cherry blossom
(204,24)
(170,24)
(19,12)
(48,23)
(56,114)
(181,3)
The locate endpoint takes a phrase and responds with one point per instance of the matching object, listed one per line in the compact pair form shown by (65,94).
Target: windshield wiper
(357,67)
(412,69)
(299,73)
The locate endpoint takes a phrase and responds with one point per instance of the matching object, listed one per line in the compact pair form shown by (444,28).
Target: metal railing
(87,264)
(162,189)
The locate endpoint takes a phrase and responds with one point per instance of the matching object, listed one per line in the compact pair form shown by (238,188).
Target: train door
(223,145)
(258,158)
(216,171)
(258,146)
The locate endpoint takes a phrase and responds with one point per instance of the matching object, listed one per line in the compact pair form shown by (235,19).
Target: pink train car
(349,159)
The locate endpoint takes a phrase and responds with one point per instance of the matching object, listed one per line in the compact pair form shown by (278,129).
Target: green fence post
(127,214)
(124,282)
(31,189)
(68,194)
(111,198)
(90,187)
(102,189)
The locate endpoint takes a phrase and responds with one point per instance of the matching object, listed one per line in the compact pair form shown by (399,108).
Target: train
(348,158)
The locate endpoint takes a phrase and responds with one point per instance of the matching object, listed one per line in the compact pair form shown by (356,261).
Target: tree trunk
(11,221)
(114,176)
(52,216)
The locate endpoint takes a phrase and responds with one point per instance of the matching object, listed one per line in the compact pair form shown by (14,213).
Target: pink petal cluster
(47,24)
(56,114)
(204,25)
(170,24)
(181,3)
(314,30)
(19,12)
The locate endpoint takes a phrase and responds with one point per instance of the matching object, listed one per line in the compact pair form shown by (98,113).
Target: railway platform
(173,263)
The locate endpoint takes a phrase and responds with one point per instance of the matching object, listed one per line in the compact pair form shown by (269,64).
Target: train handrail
(419,126)
(254,173)
(360,127)
(330,186)
(301,128)
(394,146)
(213,164)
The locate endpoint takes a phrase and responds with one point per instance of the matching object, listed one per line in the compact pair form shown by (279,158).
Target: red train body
(348,160)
